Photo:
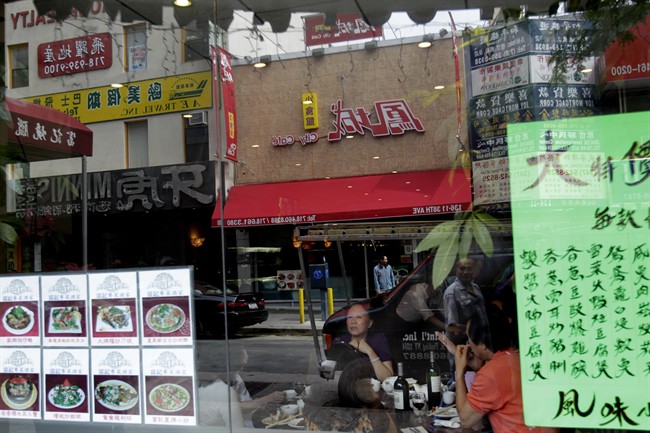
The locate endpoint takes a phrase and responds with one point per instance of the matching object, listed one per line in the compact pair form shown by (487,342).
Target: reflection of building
(152,184)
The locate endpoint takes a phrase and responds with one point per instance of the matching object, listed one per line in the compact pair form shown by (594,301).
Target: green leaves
(454,239)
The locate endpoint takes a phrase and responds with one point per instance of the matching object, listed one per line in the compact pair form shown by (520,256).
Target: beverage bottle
(433,382)
(401,391)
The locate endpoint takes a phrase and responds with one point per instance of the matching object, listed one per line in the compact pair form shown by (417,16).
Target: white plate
(26,329)
(80,393)
(122,405)
(166,389)
(53,330)
(296,423)
(18,405)
(168,330)
(101,326)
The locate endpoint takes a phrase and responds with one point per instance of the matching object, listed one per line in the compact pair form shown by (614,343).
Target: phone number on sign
(74,65)
(629,69)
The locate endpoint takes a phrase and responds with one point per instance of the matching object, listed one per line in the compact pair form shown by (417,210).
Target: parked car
(244,309)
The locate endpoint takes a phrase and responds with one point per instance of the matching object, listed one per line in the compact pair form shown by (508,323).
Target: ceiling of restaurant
(277,12)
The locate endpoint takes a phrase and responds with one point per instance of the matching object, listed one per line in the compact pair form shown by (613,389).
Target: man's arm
(375,274)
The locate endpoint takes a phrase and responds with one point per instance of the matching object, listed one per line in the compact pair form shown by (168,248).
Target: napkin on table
(452,423)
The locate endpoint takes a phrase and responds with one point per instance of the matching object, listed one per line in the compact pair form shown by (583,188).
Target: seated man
(422,303)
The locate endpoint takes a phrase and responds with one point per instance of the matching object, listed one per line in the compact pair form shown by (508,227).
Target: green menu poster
(580,195)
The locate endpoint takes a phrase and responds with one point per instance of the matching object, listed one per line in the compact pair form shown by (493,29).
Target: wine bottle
(401,391)
(433,382)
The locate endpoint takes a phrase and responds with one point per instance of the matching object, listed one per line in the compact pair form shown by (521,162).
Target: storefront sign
(580,221)
(136,99)
(72,56)
(310,111)
(500,76)
(394,117)
(510,83)
(498,45)
(229,103)
(541,70)
(348,27)
(31,18)
(288,140)
(629,61)
(112,192)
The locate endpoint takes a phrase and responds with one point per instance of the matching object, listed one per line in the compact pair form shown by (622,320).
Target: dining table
(320,411)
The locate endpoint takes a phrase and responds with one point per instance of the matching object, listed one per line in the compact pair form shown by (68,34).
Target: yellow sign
(310,110)
(137,99)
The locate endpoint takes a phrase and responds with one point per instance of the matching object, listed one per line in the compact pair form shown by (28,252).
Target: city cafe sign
(394,117)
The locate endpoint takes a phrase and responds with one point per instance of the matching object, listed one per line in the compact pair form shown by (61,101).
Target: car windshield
(209,289)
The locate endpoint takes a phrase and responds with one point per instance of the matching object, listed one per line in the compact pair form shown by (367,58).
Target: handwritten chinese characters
(581,229)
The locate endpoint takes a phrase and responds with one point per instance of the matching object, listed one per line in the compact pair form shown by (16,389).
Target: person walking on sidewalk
(383,276)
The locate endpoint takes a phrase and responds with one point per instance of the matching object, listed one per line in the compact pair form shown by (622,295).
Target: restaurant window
(196,44)
(196,137)
(19,58)
(137,146)
(136,48)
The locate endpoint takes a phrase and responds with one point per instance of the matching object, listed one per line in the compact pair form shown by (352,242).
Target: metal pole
(345,275)
(320,353)
(365,264)
(84,212)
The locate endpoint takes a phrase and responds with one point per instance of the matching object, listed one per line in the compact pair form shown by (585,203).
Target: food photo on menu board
(114,317)
(65,318)
(290,280)
(116,395)
(19,318)
(166,316)
(19,392)
(67,393)
(169,395)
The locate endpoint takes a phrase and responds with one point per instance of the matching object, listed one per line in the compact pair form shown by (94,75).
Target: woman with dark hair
(496,391)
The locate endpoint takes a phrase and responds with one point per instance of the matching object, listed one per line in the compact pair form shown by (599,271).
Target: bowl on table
(289,409)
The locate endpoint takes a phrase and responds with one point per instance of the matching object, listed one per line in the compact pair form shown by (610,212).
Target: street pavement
(286,319)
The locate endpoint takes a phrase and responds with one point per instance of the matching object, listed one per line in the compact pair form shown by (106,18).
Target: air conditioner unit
(198,119)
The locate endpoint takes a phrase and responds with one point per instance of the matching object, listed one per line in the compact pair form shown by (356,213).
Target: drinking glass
(446,377)
(419,402)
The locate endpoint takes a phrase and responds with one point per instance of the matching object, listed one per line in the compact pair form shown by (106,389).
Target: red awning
(347,199)
(38,133)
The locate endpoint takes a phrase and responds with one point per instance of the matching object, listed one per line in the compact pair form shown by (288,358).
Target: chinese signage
(136,99)
(348,27)
(229,104)
(71,56)
(580,193)
(310,111)
(394,117)
(137,366)
(509,83)
(110,192)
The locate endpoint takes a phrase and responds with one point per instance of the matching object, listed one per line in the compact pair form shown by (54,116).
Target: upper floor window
(19,64)
(137,139)
(136,48)
(196,44)
(196,138)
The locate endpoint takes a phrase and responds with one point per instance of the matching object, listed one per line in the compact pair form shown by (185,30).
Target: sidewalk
(286,318)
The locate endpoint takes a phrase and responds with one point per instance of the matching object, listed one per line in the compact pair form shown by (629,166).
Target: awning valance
(347,199)
(39,133)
